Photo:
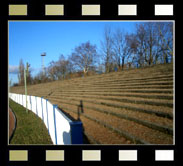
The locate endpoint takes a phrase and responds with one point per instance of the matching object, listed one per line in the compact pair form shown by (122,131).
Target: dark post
(80,107)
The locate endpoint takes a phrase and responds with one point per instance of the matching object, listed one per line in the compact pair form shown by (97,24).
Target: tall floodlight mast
(43,68)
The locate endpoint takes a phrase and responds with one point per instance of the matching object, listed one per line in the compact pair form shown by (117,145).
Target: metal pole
(43,68)
(25,81)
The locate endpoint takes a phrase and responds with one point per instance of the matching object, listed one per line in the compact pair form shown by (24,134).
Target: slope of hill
(128,107)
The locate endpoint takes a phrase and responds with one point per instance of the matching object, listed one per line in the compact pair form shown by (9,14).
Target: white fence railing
(60,128)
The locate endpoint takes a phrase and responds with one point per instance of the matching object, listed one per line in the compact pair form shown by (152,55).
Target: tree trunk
(123,61)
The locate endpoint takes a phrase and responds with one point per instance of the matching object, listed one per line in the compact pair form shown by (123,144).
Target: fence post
(42,108)
(30,102)
(36,106)
(76,132)
(47,116)
(25,84)
(22,100)
(55,106)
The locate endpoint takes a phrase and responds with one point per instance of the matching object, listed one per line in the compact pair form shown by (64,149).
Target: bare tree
(121,48)
(151,41)
(29,75)
(131,45)
(52,71)
(70,65)
(141,37)
(62,66)
(135,45)
(59,69)
(165,31)
(107,49)
(21,72)
(84,56)
(142,43)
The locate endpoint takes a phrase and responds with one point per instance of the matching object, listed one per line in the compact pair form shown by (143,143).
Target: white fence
(60,128)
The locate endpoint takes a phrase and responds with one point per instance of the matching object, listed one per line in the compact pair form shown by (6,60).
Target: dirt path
(11,122)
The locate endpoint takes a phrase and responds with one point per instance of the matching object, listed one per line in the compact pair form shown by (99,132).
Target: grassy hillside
(30,129)
(127,107)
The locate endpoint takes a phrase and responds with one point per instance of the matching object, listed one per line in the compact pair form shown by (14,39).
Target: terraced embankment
(127,107)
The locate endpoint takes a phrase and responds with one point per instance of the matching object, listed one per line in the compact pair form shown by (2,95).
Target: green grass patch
(30,128)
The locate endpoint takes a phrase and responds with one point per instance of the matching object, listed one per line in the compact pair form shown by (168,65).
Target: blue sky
(28,40)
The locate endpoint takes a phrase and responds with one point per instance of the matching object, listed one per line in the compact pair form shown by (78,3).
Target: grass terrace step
(91,139)
(159,123)
(46,90)
(133,107)
(138,95)
(79,81)
(119,87)
(122,80)
(136,84)
(125,99)
(118,84)
(126,90)
(142,121)
(126,75)
(130,130)
(87,87)
(122,133)
(103,138)
(136,79)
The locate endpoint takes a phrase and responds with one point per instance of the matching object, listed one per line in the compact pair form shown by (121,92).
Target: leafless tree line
(150,44)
